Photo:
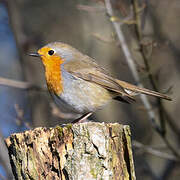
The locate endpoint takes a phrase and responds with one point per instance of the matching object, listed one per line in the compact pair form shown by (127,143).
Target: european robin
(79,84)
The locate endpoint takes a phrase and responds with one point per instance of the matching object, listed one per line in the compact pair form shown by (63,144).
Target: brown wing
(88,70)
(136,89)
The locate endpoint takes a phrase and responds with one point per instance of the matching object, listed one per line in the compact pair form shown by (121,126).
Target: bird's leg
(83,118)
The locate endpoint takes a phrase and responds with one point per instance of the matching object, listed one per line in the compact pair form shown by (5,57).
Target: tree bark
(84,151)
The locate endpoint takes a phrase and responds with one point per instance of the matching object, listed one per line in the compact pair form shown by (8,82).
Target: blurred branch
(154,152)
(171,166)
(161,109)
(131,63)
(146,59)
(90,8)
(132,66)
(126,20)
(14,83)
(19,84)
(103,38)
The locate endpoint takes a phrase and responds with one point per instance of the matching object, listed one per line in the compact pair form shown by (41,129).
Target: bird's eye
(50,52)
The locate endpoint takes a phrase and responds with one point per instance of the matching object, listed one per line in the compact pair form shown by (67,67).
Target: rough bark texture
(74,152)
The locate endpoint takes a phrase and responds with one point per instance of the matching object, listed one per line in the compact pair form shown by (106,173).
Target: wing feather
(86,68)
(91,72)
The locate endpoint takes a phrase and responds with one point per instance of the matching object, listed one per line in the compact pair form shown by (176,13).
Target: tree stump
(84,151)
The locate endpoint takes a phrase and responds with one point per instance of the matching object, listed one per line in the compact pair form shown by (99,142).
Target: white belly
(81,96)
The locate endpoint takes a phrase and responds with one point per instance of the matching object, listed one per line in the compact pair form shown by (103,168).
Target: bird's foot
(83,118)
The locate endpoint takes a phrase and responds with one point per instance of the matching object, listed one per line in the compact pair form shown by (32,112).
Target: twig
(90,8)
(145,59)
(161,109)
(19,84)
(103,38)
(131,63)
(174,151)
(135,74)
(154,152)
(14,83)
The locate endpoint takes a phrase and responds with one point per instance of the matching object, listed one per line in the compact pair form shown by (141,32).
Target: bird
(79,85)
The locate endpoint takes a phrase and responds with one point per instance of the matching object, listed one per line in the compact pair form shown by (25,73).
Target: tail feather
(133,90)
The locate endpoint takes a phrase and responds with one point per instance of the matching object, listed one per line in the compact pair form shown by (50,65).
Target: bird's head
(55,54)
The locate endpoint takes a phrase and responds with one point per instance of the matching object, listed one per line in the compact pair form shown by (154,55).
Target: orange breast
(54,79)
(52,64)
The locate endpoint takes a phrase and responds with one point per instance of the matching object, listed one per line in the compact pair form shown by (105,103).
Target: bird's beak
(35,54)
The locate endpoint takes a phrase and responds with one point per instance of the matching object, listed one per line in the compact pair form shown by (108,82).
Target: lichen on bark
(73,152)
